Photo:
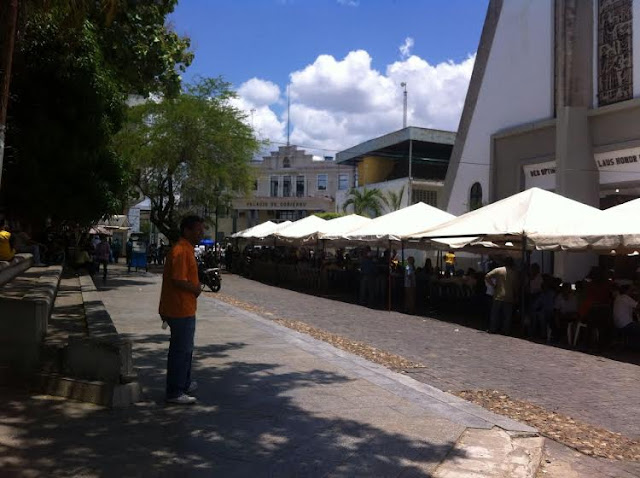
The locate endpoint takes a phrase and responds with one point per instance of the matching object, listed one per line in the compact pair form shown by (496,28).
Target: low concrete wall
(103,355)
(24,319)
(19,264)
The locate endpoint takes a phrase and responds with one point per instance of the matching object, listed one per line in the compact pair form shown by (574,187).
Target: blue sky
(269,40)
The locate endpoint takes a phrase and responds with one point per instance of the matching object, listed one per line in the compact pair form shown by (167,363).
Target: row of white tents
(535,219)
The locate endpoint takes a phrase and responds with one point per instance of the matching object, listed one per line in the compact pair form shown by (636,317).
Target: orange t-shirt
(180,264)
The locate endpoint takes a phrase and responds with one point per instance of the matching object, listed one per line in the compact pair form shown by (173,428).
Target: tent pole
(523,278)
(389,277)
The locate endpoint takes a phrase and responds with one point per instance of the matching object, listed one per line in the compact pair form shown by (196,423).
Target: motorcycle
(209,277)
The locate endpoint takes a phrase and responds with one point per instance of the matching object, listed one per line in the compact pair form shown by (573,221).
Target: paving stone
(593,389)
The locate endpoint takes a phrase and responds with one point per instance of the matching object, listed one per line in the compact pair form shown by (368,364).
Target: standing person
(367,278)
(504,281)
(178,304)
(115,249)
(129,253)
(228,257)
(410,286)
(450,263)
(102,252)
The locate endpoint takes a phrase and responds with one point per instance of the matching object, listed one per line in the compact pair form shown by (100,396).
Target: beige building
(290,185)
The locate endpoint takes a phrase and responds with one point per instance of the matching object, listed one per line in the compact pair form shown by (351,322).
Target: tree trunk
(8,21)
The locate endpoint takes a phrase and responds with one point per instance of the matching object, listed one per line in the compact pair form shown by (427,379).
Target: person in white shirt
(623,309)
(565,308)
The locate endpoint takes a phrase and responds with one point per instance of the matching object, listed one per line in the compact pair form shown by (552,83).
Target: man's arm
(188,286)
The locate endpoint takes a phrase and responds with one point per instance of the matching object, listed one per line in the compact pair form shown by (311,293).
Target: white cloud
(338,103)
(405,48)
(349,3)
(259,92)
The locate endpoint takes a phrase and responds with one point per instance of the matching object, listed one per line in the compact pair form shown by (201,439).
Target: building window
(286,163)
(274,186)
(287,215)
(323,179)
(343,182)
(300,186)
(425,196)
(255,185)
(475,197)
(615,60)
(286,186)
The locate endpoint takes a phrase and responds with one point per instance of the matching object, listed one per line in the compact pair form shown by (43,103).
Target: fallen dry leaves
(585,438)
(381,357)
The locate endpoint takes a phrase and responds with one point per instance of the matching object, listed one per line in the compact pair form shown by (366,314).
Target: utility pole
(8,22)
(404,104)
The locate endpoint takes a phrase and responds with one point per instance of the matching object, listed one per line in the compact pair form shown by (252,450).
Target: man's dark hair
(508,261)
(188,222)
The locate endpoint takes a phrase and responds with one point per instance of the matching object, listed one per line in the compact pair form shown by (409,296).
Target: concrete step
(493,453)
(100,393)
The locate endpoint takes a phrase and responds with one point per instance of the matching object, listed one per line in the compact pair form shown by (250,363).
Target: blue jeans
(501,313)
(180,354)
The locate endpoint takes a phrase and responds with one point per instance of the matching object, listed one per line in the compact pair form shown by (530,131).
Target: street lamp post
(404,104)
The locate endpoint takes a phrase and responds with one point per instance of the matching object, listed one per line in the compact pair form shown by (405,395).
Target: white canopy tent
(530,216)
(268,231)
(615,228)
(342,225)
(397,225)
(246,232)
(300,229)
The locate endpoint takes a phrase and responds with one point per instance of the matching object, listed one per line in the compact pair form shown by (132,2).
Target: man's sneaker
(183,399)
(192,387)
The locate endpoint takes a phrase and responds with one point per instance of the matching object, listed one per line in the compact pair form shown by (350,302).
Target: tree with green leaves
(367,202)
(74,65)
(189,153)
(393,199)
(328,215)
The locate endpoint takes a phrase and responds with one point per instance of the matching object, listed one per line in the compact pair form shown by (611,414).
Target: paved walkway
(273,402)
(594,389)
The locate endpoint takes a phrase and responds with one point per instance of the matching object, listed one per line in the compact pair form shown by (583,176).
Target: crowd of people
(542,306)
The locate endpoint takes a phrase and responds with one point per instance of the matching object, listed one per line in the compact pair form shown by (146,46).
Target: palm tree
(393,200)
(365,203)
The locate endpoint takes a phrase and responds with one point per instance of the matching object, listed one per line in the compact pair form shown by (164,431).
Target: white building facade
(553,102)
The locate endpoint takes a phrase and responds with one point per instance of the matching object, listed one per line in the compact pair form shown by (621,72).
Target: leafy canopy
(74,65)
(188,153)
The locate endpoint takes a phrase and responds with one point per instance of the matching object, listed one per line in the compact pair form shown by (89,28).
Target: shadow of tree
(251,420)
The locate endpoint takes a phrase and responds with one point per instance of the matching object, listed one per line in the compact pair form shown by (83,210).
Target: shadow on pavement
(247,423)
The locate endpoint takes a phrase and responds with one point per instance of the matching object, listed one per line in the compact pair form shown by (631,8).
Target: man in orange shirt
(178,303)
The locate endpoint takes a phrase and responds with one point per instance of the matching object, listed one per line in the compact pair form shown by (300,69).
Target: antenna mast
(288,115)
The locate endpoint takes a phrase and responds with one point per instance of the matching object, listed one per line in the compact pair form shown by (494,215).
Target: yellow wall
(373,169)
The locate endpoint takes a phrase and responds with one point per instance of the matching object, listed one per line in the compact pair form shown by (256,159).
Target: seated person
(565,308)
(623,309)
(7,243)
(83,259)
(24,243)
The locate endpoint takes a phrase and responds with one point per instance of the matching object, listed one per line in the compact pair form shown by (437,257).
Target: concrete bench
(25,307)
(15,267)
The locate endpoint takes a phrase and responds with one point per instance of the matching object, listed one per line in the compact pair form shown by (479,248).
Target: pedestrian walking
(129,253)
(102,252)
(410,286)
(178,304)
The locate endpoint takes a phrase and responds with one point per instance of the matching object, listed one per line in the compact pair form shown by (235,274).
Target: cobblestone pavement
(594,389)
